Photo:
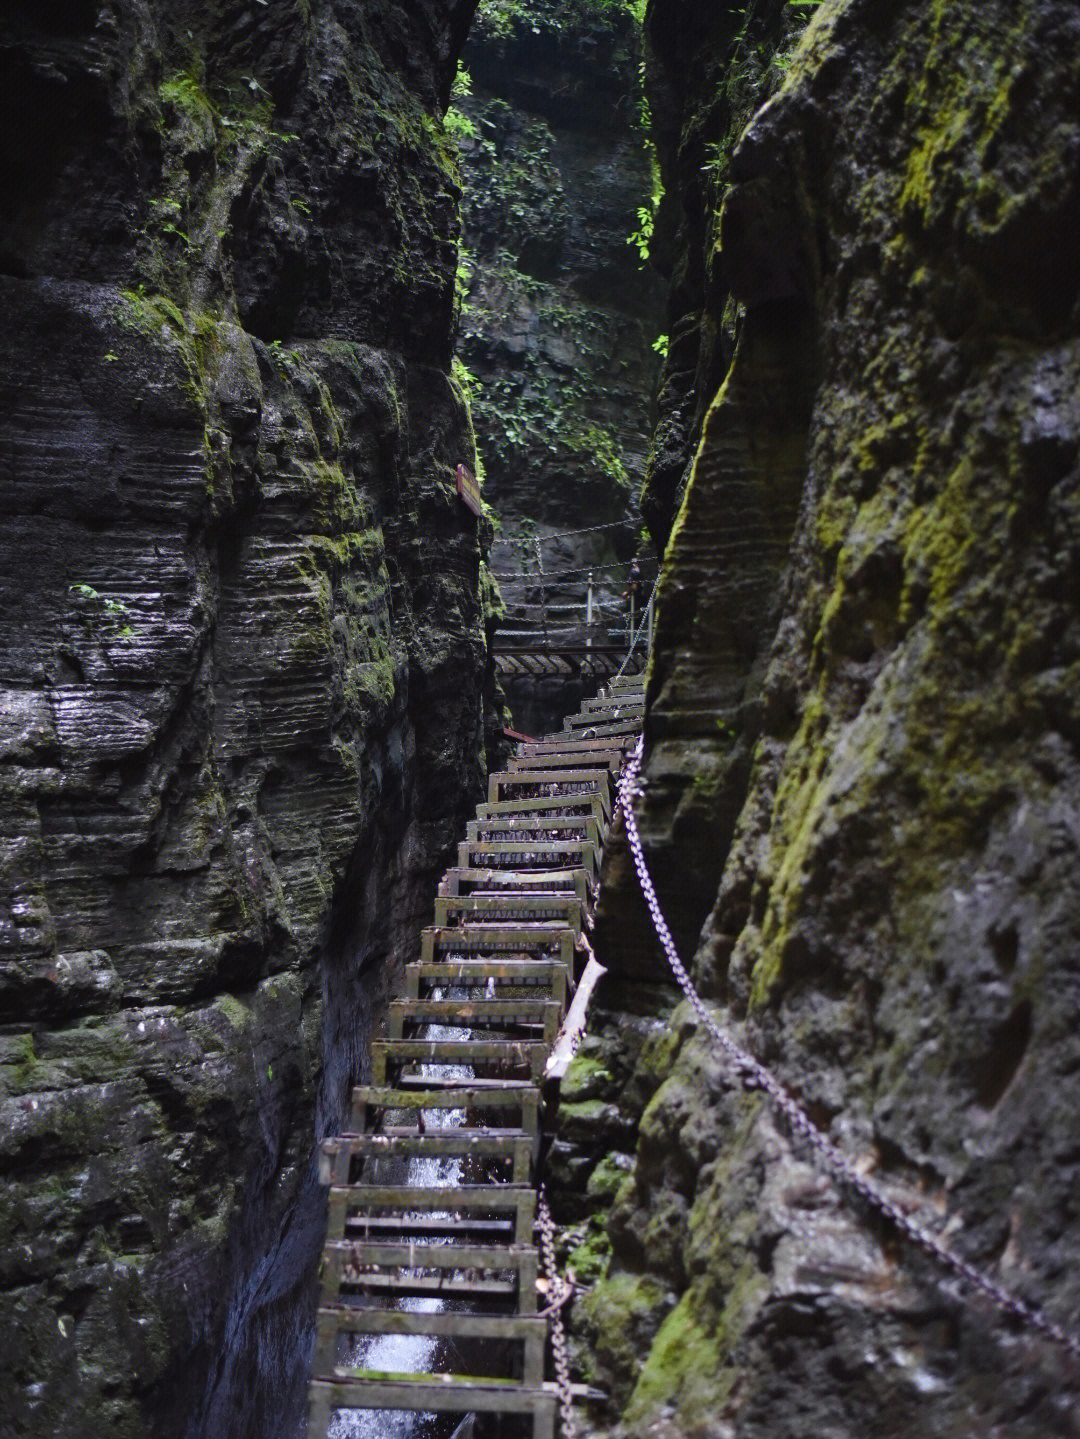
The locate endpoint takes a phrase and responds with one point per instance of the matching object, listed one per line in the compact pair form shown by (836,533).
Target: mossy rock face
(243,651)
(866,719)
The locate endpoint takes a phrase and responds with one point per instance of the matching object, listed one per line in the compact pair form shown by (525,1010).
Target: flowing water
(409,1353)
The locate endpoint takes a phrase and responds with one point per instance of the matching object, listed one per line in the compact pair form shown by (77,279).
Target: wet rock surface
(870,598)
(242,649)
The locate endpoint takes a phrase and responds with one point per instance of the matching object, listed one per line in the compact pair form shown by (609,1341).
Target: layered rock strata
(241,654)
(862,742)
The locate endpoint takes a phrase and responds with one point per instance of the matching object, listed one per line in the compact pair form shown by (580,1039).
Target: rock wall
(559,312)
(862,768)
(241,654)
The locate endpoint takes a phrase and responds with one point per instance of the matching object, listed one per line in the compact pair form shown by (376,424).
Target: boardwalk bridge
(431,1249)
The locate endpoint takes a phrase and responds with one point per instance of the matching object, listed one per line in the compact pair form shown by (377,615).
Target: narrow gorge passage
(364,366)
(487,1019)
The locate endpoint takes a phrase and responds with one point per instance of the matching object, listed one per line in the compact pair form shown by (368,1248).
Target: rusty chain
(560,1293)
(755,1075)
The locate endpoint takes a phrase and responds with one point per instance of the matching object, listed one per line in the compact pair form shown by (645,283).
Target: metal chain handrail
(589,530)
(756,1075)
(560,1294)
(558,574)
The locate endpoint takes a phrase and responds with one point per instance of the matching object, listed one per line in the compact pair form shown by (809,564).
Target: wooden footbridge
(454,1262)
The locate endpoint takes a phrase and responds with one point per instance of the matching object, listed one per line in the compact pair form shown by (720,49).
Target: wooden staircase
(500,962)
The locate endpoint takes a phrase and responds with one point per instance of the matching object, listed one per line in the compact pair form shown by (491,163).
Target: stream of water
(410,1353)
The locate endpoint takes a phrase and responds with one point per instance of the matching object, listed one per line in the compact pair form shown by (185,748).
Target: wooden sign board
(469,489)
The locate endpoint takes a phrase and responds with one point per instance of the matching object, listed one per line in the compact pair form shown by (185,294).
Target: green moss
(608,1178)
(18,1064)
(585,1079)
(589,1259)
(237,1013)
(615,1312)
(683,1368)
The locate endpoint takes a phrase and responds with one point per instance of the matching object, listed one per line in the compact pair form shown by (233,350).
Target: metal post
(589,613)
(652,617)
(543,593)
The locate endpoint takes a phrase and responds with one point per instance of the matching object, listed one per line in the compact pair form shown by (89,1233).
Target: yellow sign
(469,489)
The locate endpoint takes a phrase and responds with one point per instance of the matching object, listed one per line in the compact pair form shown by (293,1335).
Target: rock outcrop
(241,655)
(862,765)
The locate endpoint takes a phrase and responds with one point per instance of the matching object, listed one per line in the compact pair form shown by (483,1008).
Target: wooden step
(541,806)
(568,759)
(615,705)
(551,976)
(547,854)
(521,828)
(542,1014)
(423,1227)
(530,1331)
(431,1395)
(551,784)
(457,882)
(574,744)
(349,1203)
(511,1053)
(599,725)
(509,908)
(541,937)
(495,1103)
(463,1270)
(514,1146)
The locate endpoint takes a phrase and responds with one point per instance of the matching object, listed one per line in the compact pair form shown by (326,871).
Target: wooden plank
(419,1286)
(513,1145)
(439,1394)
(509,1095)
(478,971)
(516,1052)
(540,805)
(512,908)
(530,848)
(498,881)
(386,1254)
(528,1330)
(613,759)
(420,1226)
(573,1025)
(493,939)
(579,826)
(602,727)
(628,704)
(558,787)
(504,1014)
(345,1201)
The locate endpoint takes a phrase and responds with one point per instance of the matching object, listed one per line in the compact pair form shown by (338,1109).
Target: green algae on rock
(228,294)
(871,583)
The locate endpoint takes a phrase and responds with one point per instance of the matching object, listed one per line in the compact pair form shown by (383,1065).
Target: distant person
(632,593)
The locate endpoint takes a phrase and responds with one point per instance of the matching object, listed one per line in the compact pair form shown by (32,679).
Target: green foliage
(500,18)
(459,125)
(109,618)
(470,389)
(462,82)
(184,90)
(642,236)
(660,345)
